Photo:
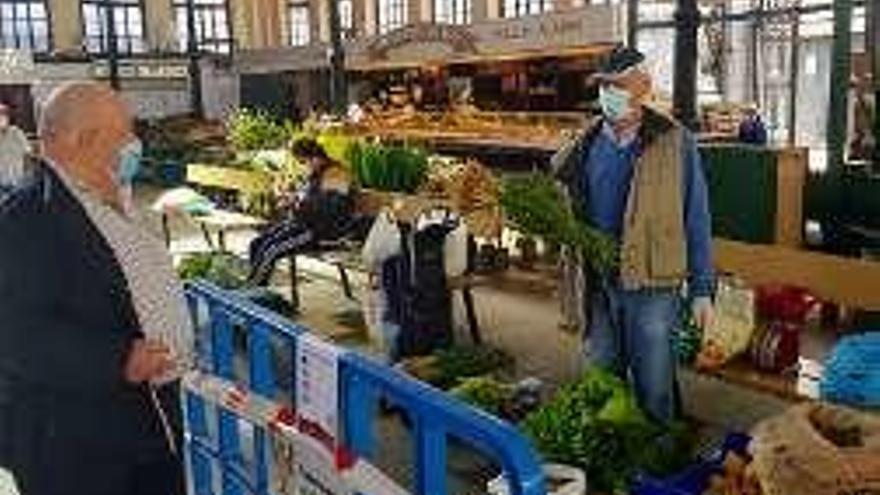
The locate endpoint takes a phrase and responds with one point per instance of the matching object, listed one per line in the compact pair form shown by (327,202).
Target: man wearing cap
(14,148)
(635,174)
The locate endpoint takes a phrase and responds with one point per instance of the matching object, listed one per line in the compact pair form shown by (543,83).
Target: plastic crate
(694,479)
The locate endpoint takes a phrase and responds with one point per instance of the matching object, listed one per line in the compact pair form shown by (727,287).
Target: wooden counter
(847,281)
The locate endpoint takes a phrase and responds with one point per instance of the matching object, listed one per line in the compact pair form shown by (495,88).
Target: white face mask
(615,102)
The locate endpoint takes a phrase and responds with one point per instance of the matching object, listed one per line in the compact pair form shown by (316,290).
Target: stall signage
(143,70)
(458,38)
(590,25)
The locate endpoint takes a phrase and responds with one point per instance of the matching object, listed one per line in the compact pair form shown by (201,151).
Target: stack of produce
(447,368)
(595,424)
(471,190)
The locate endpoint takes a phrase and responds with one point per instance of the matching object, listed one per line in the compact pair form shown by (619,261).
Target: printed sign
(317,389)
(143,70)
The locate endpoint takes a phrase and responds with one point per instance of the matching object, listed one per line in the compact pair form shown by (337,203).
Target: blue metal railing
(221,463)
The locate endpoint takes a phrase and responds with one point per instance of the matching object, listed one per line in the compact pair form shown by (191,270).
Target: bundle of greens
(595,424)
(537,207)
(224,270)
(252,130)
(337,145)
(485,393)
(387,168)
(447,368)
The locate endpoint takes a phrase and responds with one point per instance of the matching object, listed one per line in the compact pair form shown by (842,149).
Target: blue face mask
(129,162)
(615,102)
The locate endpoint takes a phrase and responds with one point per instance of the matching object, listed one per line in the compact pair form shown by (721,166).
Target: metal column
(112,45)
(687,21)
(795,72)
(192,50)
(338,89)
(873,44)
(838,108)
(632,23)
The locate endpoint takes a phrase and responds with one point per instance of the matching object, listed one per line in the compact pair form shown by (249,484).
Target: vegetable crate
(694,479)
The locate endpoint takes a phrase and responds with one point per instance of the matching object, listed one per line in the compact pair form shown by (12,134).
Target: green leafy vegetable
(595,424)
(251,130)
(388,168)
(224,270)
(485,393)
(537,207)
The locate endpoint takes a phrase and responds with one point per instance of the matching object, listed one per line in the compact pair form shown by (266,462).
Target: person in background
(320,211)
(752,129)
(14,150)
(95,329)
(635,174)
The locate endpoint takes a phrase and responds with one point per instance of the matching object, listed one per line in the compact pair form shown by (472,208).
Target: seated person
(320,211)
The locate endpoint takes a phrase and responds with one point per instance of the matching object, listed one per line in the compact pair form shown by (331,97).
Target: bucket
(560,480)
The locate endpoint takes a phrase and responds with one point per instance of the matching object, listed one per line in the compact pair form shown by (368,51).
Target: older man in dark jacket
(83,408)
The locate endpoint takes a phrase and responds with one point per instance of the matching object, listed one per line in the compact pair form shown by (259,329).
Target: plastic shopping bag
(383,334)
(455,251)
(7,483)
(383,241)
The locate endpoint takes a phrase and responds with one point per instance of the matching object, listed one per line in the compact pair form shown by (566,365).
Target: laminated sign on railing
(274,410)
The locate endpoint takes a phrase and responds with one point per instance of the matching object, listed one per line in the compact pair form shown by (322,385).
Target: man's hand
(704,312)
(148,359)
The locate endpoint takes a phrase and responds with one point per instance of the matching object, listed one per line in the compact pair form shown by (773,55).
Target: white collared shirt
(156,291)
(14,147)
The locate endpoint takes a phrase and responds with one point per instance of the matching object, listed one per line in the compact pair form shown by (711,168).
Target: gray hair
(66,108)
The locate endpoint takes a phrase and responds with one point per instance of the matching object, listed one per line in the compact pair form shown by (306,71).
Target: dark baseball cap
(621,59)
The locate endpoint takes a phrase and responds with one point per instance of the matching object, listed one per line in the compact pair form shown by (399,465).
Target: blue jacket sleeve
(698,222)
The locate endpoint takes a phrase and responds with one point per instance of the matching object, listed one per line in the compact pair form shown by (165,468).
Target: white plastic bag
(383,241)
(455,251)
(7,483)
(382,333)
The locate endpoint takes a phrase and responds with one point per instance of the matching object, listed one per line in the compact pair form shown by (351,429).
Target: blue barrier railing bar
(362,381)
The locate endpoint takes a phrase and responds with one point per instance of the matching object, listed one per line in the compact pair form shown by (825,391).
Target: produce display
(447,368)
(387,168)
(465,122)
(224,270)
(536,206)
(252,130)
(595,424)
(486,393)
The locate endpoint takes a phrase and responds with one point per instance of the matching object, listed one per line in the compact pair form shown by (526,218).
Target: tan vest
(653,249)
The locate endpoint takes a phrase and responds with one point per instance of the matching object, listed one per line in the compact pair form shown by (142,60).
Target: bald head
(82,127)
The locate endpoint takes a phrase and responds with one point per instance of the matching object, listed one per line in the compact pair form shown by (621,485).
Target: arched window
(391,15)
(24,24)
(128,21)
(213,28)
(519,8)
(452,11)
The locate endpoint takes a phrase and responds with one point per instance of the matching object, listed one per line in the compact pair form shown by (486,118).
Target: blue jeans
(631,335)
